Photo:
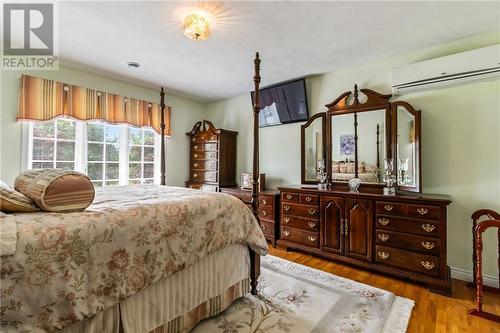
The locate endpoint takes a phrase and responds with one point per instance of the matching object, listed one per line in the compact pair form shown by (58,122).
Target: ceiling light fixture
(196,27)
(133,64)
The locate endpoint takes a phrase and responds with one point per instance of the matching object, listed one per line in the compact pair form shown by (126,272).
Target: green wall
(461,139)
(185,113)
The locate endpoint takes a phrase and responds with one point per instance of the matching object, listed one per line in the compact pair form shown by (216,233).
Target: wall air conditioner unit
(455,69)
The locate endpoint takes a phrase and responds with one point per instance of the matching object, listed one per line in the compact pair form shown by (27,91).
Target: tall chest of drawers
(402,235)
(269,214)
(212,160)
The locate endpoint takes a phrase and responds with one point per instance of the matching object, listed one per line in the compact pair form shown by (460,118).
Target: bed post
(162,144)
(254,257)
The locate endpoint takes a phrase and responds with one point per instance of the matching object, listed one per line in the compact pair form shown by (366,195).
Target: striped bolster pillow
(56,190)
(12,201)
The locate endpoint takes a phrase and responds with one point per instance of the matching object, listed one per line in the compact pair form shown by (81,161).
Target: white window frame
(80,162)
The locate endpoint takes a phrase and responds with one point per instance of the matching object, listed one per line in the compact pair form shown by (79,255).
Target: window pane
(95,152)
(95,132)
(94,171)
(148,181)
(43,149)
(112,171)
(65,151)
(66,129)
(135,136)
(135,154)
(134,170)
(43,130)
(112,133)
(112,183)
(149,170)
(97,184)
(42,165)
(149,137)
(65,165)
(134,181)
(112,152)
(149,154)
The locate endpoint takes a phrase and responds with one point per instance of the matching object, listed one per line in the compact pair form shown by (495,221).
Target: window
(103,153)
(53,144)
(141,156)
(109,154)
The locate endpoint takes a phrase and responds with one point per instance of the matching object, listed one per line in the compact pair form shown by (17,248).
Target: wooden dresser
(212,161)
(402,235)
(269,212)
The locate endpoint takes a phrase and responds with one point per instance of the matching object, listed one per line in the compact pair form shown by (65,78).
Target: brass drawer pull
(210,177)
(383,237)
(428,245)
(383,221)
(264,213)
(286,233)
(311,211)
(422,211)
(193,139)
(264,202)
(195,165)
(388,207)
(195,155)
(195,147)
(308,199)
(311,238)
(428,227)
(289,196)
(195,175)
(383,255)
(286,208)
(311,224)
(263,227)
(210,166)
(286,219)
(427,265)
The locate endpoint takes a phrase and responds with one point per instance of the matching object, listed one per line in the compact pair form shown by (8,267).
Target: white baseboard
(462,274)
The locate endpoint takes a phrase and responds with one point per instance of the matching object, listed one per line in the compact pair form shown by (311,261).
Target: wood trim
(303,145)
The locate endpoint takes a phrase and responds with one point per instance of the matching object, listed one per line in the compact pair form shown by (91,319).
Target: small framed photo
(247,181)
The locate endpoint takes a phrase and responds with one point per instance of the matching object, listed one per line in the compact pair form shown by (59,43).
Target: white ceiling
(294,38)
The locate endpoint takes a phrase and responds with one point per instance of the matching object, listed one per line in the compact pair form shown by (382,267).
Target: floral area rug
(297,299)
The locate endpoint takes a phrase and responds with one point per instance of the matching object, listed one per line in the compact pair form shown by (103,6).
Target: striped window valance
(43,99)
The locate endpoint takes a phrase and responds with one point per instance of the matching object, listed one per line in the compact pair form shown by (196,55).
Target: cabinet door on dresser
(332,217)
(358,228)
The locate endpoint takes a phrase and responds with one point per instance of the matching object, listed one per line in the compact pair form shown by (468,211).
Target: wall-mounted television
(283,103)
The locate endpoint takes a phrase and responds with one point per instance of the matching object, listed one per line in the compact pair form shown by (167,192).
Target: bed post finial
(162,129)
(254,257)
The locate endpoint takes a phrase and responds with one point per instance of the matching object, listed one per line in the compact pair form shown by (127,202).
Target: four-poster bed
(122,264)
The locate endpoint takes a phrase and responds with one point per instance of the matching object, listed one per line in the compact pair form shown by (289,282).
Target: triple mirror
(357,134)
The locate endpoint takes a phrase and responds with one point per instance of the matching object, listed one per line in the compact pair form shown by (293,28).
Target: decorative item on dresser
(269,213)
(212,161)
(400,233)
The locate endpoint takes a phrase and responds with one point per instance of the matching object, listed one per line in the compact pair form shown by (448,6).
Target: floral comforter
(70,266)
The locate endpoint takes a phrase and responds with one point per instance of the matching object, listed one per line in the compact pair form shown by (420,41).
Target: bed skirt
(178,302)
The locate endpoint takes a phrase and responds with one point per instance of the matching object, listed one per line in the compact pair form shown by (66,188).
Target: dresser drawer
(300,236)
(266,214)
(391,208)
(423,227)
(406,241)
(311,212)
(204,138)
(204,187)
(423,211)
(204,176)
(266,201)
(289,197)
(300,223)
(416,262)
(209,165)
(267,228)
(203,155)
(309,199)
(211,146)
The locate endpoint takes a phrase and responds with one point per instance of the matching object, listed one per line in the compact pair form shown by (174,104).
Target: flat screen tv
(283,103)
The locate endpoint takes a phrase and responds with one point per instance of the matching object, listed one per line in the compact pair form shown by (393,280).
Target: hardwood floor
(432,312)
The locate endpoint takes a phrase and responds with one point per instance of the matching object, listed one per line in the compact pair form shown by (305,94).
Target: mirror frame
(418,144)
(303,127)
(349,102)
